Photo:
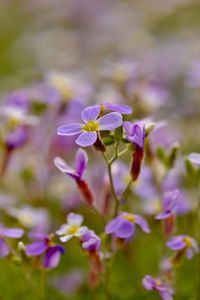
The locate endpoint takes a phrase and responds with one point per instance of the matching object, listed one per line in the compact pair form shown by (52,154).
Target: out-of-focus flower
(16,116)
(69,283)
(150,283)
(194,158)
(30,217)
(120,108)
(73,228)
(182,244)
(136,135)
(90,241)
(123,226)
(77,174)
(69,86)
(14,233)
(44,245)
(170,201)
(193,79)
(89,129)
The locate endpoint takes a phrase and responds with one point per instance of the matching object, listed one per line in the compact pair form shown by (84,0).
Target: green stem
(114,195)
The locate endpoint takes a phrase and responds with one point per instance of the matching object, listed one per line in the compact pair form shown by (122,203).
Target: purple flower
(123,226)
(170,201)
(81,165)
(16,138)
(73,228)
(135,133)
(122,109)
(88,130)
(44,245)
(90,241)
(159,285)
(194,158)
(77,174)
(10,233)
(183,243)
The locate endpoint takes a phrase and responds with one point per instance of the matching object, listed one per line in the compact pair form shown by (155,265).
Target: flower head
(170,202)
(159,285)
(123,226)
(81,165)
(44,245)
(183,243)
(90,241)
(73,228)
(91,125)
(135,133)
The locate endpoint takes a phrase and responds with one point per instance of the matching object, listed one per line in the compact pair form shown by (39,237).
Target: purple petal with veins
(90,113)
(86,139)
(110,121)
(71,129)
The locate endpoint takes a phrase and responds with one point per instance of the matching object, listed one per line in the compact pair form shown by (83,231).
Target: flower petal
(71,129)
(81,231)
(63,229)
(194,158)
(74,219)
(148,282)
(66,238)
(111,226)
(163,215)
(81,162)
(142,223)
(86,139)
(63,167)
(90,113)
(52,256)
(125,229)
(128,126)
(12,232)
(36,249)
(122,109)
(176,243)
(110,121)
(4,249)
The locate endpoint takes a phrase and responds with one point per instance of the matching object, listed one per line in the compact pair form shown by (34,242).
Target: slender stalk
(114,195)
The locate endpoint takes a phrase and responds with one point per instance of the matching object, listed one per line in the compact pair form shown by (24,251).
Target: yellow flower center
(158,282)
(130,218)
(188,241)
(73,229)
(91,126)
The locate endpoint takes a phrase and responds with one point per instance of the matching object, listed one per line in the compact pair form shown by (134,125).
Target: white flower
(72,228)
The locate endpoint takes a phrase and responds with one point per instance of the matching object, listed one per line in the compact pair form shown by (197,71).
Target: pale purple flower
(120,108)
(16,138)
(170,201)
(150,283)
(90,241)
(123,226)
(43,245)
(91,125)
(72,228)
(14,233)
(135,133)
(81,165)
(194,158)
(183,243)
